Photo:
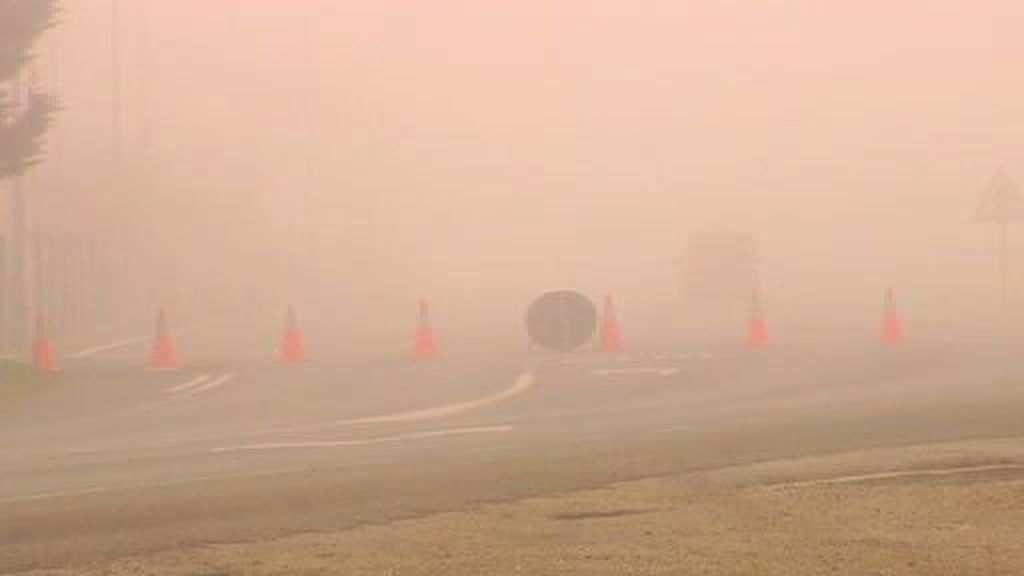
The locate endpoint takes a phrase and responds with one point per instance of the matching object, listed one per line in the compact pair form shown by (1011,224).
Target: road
(107,459)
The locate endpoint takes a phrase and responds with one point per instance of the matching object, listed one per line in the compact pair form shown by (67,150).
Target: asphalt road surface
(107,459)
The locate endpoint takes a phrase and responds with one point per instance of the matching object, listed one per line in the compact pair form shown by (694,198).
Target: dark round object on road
(561,321)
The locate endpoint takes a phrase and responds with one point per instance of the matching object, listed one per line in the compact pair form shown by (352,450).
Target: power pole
(115,79)
(1001,205)
(144,68)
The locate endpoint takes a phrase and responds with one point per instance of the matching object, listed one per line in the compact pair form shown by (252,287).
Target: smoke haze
(354,155)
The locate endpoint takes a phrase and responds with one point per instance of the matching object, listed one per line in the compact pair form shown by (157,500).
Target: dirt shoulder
(942,509)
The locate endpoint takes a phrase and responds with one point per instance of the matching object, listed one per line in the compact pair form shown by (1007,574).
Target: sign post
(1002,204)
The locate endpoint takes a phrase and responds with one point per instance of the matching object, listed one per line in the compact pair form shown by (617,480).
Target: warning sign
(1002,202)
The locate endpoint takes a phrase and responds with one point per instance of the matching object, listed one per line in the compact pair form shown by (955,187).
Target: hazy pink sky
(769,94)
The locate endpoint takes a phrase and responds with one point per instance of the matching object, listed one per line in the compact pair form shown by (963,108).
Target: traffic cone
(893,331)
(44,353)
(426,340)
(757,325)
(610,335)
(165,353)
(293,347)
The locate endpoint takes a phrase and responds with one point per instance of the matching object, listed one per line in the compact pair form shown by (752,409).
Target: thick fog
(352,156)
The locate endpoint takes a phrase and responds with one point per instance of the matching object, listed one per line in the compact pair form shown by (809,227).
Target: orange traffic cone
(44,353)
(426,341)
(757,325)
(610,335)
(893,331)
(293,346)
(165,353)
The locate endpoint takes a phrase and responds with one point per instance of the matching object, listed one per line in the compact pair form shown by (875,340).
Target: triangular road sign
(1001,202)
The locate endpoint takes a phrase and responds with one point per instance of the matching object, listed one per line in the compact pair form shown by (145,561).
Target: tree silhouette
(22,130)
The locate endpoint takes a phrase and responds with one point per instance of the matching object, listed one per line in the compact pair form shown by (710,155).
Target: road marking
(196,386)
(189,384)
(111,346)
(215,383)
(363,442)
(663,372)
(123,343)
(590,438)
(490,449)
(183,482)
(857,478)
(523,383)
(697,356)
(674,429)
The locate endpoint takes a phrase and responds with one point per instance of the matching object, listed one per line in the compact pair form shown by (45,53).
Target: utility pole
(307,86)
(144,68)
(56,243)
(1001,205)
(115,80)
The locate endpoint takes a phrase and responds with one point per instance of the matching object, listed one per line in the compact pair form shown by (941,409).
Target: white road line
(123,343)
(697,356)
(856,478)
(111,346)
(363,442)
(194,389)
(490,449)
(215,383)
(590,438)
(522,384)
(663,372)
(182,482)
(189,384)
